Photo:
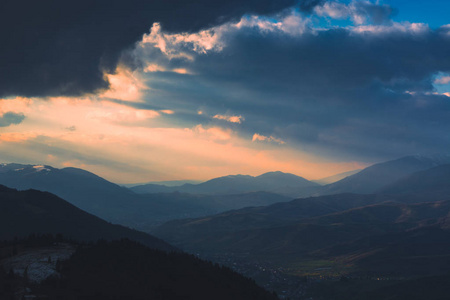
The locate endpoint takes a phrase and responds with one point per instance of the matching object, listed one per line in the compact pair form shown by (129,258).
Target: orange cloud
(124,85)
(181,71)
(232,119)
(16,105)
(154,68)
(214,133)
(167,111)
(158,68)
(259,137)
(118,113)
(16,137)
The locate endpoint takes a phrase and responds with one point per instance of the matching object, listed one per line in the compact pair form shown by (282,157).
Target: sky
(140,91)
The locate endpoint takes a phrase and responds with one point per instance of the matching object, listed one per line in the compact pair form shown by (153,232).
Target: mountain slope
(336,177)
(83,189)
(275,182)
(151,188)
(126,270)
(120,205)
(379,175)
(278,214)
(168,183)
(365,237)
(434,182)
(421,251)
(286,241)
(31,211)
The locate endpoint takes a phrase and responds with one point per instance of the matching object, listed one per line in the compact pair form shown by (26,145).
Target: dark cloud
(335,92)
(320,64)
(308,5)
(375,13)
(11,118)
(55,47)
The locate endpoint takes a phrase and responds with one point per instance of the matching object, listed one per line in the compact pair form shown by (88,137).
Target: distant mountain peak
(278,174)
(24,168)
(236,176)
(382,174)
(275,172)
(275,182)
(40,168)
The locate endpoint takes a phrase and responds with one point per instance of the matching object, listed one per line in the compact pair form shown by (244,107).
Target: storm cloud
(360,91)
(286,81)
(54,48)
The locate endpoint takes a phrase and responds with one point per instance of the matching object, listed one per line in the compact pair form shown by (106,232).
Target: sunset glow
(246,96)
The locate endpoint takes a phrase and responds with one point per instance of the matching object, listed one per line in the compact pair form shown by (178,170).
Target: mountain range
(389,220)
(356,230)
(117,263)
(31,211)
(275,182)
(377,176)
(366,181)
(146,206)
(120,205)
(355,240)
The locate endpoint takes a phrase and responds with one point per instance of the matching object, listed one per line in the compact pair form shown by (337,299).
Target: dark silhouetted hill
(26,212)
(127,270)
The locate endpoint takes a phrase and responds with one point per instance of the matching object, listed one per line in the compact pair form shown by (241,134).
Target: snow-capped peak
(40,168)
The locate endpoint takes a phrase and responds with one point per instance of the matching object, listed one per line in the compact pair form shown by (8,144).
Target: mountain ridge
(32,211)
(432,182)
(277,182)
(375,177)
(120,205)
